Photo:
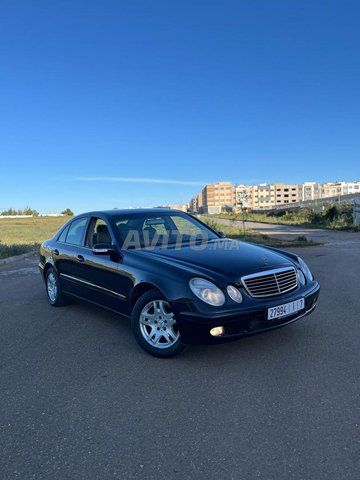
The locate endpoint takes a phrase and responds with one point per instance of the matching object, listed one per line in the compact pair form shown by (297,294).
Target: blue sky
(184,92)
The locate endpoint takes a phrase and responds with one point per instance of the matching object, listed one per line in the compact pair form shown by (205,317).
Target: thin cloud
(167,181)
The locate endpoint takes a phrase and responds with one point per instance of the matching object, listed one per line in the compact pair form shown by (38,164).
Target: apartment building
(331,189)
(334,189)
(196,203)
(221,196)
(193,205)
(217,197)
(287,193)
(348,188)
(199,202)
(310,191)
(263,196)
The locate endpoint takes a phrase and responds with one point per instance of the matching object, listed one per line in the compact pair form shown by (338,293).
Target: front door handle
(56,251)
(80,258)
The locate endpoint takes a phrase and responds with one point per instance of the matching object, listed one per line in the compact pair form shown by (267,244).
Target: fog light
(217,331)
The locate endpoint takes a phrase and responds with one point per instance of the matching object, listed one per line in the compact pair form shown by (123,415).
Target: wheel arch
(48,265)
(142,288)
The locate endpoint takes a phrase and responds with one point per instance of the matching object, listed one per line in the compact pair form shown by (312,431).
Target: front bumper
(195,326)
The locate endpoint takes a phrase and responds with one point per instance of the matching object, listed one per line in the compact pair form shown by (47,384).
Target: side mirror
(222,234)
(103,249)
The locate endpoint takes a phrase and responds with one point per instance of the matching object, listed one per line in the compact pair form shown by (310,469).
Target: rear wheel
(53,288)
(154,326)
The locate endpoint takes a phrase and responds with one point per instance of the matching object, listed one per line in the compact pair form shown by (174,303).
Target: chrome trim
(85,282)
(279,285)
(95,303)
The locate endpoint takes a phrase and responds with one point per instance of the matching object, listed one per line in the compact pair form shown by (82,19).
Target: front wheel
(154,326)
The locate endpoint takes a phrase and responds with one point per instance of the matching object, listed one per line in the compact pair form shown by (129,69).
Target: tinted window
(76,231)
(63,234)
(98,232)
(158,224)
(185,227)
(144,229)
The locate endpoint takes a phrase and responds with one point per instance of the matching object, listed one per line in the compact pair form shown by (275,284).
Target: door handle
(80,258)
(56,251)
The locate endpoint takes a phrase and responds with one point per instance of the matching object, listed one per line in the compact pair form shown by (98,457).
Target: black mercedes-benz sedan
(179,281)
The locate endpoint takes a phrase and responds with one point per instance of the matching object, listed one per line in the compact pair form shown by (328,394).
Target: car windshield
(149,230)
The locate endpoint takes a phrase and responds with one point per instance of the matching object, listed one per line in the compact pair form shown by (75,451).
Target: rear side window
(62,236)
(76,231)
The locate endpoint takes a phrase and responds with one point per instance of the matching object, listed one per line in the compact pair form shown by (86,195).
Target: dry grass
(259,238)
(252,236)
(21,235)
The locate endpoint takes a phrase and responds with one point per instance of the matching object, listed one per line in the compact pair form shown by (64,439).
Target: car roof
(131,211)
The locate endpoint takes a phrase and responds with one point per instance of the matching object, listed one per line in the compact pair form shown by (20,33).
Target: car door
(65,254)
(101,283)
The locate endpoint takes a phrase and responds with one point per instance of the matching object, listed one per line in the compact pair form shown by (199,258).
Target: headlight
(207,292)
(234,294)
(305,269)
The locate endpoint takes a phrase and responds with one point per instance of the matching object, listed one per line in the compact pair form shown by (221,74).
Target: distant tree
(68,212)
(28,211)
(243,203)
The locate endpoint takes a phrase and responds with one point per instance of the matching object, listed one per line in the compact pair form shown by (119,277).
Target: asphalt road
(80,400)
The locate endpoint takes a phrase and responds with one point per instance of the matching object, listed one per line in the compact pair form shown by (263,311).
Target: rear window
(76,231)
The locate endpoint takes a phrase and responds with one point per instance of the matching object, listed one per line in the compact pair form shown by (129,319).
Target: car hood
(223,259)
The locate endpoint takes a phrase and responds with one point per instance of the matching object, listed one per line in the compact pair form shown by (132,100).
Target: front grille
(270,282)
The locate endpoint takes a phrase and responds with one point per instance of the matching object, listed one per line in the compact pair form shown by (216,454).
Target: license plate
(286,309)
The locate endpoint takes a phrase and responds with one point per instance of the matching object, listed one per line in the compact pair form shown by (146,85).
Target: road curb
(5,261)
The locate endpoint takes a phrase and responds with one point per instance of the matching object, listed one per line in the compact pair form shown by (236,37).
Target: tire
(154,326)
(53,288)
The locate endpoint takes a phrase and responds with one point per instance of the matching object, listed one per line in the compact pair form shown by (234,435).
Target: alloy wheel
(158,324)
(52,288)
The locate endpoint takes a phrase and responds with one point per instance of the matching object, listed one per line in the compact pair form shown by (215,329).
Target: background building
(224,197)
(217,197)
(287,193)
(331,189)
(310,191)
(199,202)
(263,196)
(348,188)
(193,205)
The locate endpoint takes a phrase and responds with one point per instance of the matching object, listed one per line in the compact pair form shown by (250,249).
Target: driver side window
(98,232)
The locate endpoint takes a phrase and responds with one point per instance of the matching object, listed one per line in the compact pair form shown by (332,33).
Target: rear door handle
(56,251)
(80,258)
